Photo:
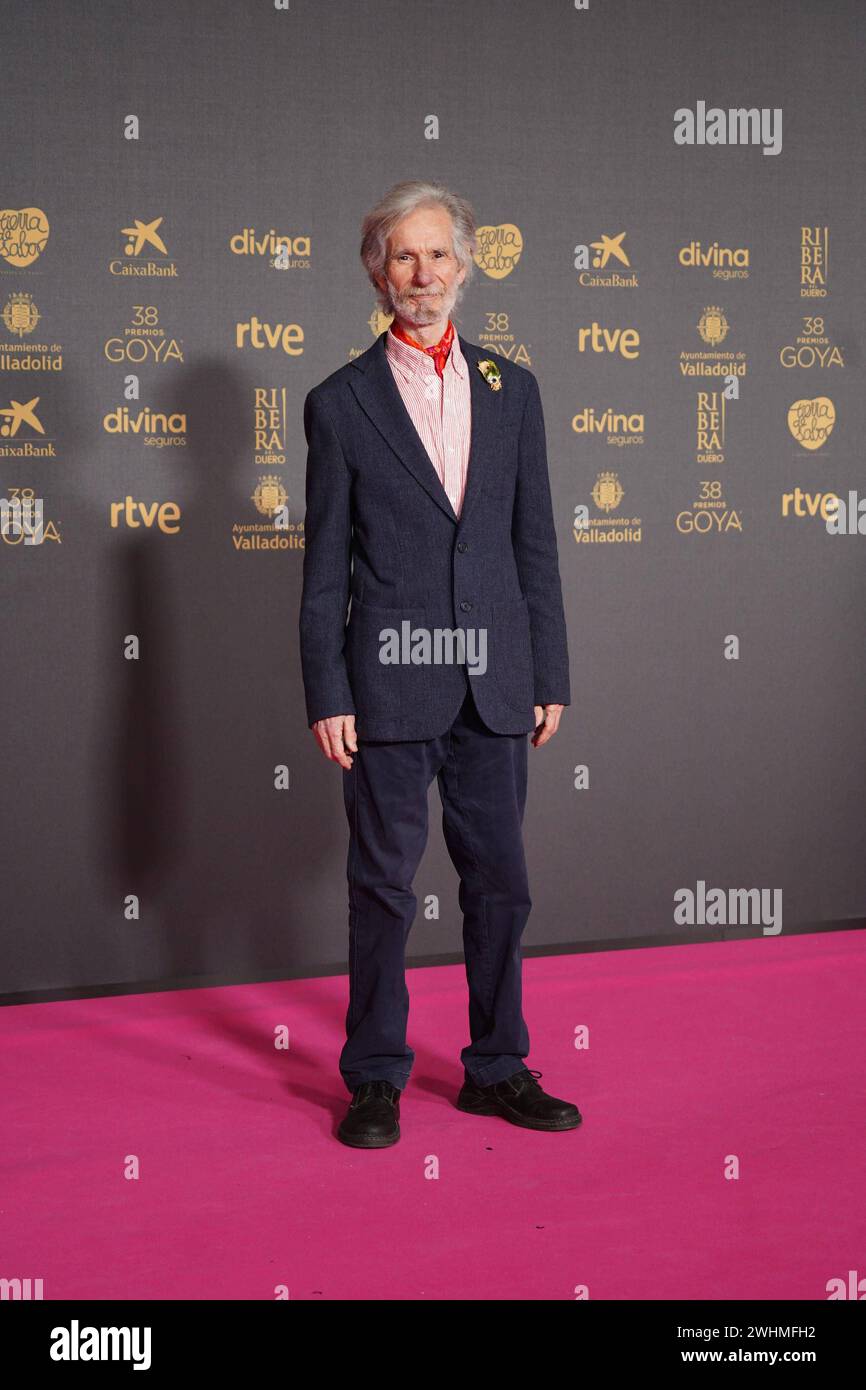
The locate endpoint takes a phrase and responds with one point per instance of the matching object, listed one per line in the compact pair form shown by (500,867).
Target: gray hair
(397,203)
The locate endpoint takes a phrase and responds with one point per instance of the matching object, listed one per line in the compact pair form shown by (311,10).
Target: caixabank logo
(145,253)
(22,432)
(604,264)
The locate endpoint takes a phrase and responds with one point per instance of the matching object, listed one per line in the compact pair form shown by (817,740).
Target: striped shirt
(440,408)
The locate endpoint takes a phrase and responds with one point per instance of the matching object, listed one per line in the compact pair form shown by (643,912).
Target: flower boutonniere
(491,373)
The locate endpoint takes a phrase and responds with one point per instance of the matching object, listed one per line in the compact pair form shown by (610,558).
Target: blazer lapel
(484,442)
(379,397)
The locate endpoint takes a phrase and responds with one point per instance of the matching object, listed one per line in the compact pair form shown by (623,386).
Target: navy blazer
(380,529)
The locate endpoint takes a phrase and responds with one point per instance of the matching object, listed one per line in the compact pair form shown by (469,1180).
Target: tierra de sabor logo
(736,126)
(23,235)
(498,249)
(811,421)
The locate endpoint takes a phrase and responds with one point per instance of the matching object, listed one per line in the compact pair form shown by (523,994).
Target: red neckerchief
(439,353)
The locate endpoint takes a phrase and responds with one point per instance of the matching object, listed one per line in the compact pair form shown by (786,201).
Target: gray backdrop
(155,777)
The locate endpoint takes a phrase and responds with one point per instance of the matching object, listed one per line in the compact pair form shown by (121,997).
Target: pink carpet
(751,1048)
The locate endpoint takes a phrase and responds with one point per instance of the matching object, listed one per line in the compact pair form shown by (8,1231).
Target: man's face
(421,270)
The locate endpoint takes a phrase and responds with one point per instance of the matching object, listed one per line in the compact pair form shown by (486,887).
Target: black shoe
(371,1121)
(520,1099)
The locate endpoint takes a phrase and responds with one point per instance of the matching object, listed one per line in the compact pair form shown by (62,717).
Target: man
(428,504)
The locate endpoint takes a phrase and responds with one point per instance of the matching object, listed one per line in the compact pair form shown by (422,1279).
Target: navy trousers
(482,787)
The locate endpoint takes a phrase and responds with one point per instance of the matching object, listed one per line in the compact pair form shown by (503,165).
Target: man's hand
(546,723)
(336,738)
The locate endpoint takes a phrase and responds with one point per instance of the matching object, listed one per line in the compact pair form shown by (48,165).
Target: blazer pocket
(511,654)
(380,687)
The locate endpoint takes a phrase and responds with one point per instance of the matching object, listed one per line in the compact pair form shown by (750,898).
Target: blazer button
(461,546)
(465,606)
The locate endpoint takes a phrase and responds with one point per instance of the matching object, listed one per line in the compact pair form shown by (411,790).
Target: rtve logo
(149,514)
(625,341)
(255,334)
